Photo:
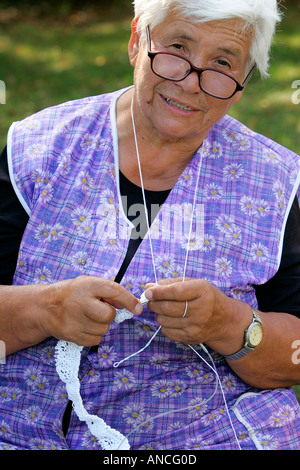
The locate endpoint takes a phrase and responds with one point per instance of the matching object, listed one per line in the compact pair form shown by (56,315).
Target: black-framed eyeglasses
(176,68)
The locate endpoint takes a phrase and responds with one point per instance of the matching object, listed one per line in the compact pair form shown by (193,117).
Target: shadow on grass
(43,66)
(45,62)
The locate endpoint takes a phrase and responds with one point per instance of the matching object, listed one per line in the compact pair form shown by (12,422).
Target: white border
(11,171)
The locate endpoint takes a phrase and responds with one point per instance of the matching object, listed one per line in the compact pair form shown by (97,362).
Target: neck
(162,159)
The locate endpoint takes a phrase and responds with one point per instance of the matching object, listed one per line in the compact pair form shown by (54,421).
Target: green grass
(267,105)
(44,63)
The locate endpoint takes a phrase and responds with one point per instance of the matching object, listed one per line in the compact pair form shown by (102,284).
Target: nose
(191,83)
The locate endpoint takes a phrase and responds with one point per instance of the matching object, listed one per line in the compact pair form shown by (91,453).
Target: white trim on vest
(11,171)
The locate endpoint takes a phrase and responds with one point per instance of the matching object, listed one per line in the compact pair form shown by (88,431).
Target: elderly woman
(204,359)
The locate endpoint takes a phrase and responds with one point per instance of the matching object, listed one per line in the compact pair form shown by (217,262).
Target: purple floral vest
(64,166)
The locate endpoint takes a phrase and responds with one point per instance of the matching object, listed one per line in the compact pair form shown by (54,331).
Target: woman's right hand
(83,309)
(79,310)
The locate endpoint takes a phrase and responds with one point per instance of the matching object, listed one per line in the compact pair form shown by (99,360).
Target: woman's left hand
(209,313)
(220,322)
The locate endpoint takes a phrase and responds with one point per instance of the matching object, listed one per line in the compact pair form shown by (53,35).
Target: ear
(134,42)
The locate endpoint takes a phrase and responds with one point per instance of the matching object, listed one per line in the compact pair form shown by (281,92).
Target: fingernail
(138,308)
(149,294)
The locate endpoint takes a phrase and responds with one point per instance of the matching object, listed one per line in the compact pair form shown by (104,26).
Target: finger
(170,308)
(100,312)
(168,281)
(87,340)
(178,291)
(95,329)
(177,335)
(113,293)
(84,333)
(167,321)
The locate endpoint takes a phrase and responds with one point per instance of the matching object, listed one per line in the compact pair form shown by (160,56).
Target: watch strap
(246,349)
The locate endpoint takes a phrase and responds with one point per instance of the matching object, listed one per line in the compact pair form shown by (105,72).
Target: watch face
(255,334)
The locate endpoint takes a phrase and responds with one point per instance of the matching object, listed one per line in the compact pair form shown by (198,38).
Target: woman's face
(158,102)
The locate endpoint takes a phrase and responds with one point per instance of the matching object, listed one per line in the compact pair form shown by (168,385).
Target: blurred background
(51,52)
(57,51)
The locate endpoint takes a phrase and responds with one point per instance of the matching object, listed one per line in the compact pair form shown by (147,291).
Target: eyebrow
(180,35)
(234,52)
(186,37)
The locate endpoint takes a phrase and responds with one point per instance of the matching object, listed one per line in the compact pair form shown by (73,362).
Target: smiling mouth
(179,105)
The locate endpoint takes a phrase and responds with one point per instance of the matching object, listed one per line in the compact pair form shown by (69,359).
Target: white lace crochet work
(124,314)
(67,360)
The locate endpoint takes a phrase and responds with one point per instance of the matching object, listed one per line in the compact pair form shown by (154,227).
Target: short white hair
(258,16)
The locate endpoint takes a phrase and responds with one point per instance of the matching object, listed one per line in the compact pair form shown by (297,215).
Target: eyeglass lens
(175,68)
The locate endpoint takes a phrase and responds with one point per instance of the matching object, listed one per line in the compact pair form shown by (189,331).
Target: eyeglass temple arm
(249,76)
(148,37)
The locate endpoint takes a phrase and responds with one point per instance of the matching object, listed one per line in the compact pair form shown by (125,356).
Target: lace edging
(67,360)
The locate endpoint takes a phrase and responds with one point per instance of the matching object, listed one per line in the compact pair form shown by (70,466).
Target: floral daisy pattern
(36,151)
(48,233)
(125,380)
(215,150)
(43,276)
(271,157)
(82,220)
(165,263)
(223,267)
(162,388)
(133,414)
(213,191)
(233,171)
(254,207)
(157,393)
(234,235)
(224,223)
(84,181)
(81,260)
(40,178)
(259,252)
(88,142)
(187,178)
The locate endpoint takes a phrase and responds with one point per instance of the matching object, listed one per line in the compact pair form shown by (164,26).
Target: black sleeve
(13,220)
(282,292)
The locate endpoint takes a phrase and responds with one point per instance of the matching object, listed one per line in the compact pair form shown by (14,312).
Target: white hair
(258,16)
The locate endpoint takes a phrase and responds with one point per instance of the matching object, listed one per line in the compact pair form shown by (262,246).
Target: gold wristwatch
(253,336)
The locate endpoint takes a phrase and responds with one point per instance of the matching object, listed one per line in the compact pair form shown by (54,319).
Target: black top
(279,294)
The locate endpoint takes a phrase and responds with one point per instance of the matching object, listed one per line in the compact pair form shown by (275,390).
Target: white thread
(125,314)
(214,369)
(185,408)
(186,308)
(143,190)
(116,364)
(218,382)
